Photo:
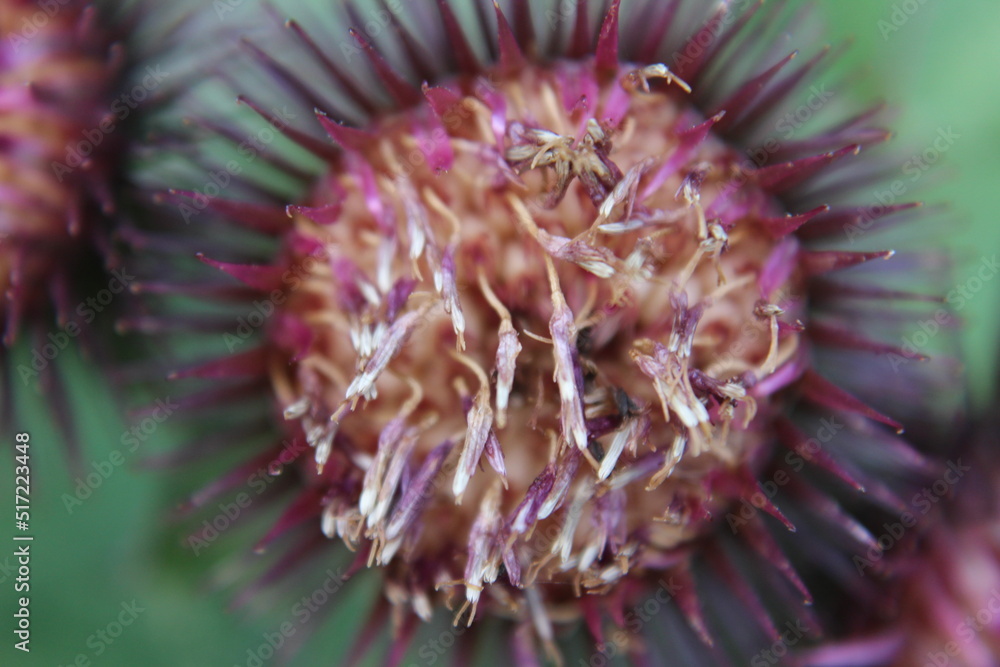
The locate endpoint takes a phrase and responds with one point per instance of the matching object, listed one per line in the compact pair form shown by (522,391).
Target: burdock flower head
(71,90)
(58,70)
(950,596)
(947,576)
(541,335)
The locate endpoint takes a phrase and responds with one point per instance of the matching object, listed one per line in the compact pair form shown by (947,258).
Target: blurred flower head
(58,70)
(944,601)
(545,336)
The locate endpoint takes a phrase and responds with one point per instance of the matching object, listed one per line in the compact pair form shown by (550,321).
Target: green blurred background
(939,69)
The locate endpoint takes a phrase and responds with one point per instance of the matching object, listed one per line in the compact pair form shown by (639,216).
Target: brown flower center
(538,316)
